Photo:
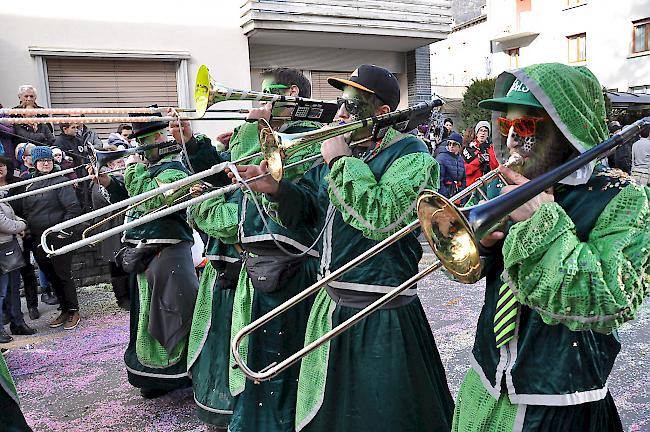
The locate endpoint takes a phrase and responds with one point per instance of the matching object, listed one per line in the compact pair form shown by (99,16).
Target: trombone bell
(271,149)
(450,236)
(202,91)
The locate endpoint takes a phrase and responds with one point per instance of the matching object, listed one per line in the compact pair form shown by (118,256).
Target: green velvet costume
(578,269)
(148,364)
(269,406)
(385,373)
(11,419)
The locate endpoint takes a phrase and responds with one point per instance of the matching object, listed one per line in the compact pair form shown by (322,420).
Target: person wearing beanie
(478,154)
(569,272)
(452,166)
(41,212)
(384,374)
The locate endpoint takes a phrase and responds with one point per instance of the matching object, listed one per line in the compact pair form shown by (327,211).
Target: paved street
(75,381)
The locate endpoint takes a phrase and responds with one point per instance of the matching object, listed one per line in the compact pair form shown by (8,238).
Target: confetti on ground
(76,381)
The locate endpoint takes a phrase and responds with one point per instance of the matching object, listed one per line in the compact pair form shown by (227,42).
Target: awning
(511,41)
(629,100)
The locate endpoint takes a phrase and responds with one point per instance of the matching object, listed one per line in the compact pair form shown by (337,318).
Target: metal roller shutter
(320,89)
(79,83)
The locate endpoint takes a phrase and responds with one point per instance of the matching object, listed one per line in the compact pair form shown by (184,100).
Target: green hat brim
(501,104)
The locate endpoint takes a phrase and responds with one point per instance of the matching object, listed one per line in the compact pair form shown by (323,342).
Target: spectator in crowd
(641,159)
(40,134)
(623,153)
(24,155)
(10,226)
(452,166)
(448,128)
(63,161)
(89,137)
(70,142)
(122,137)
(43,211)
(479,155)
(7,136)
(613,127)
(109,247)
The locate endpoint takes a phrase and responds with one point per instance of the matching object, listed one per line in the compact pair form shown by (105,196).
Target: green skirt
(209,350)
(477,411)
(141,376)
(383,374)
(270,406)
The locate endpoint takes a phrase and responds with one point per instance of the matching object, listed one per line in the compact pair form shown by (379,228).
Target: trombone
(99,158)
(276,146)
(291,143)
(206,93)
(138,200)
(453,235)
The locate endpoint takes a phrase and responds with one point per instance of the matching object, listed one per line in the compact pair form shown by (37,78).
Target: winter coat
(72,146)
(110,246)
(475,165)
(118,140)
(7,140)
(452,172)
(10,224)
(40,134)
(51,207)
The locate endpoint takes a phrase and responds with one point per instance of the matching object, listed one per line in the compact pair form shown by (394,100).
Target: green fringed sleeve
(594,285)
(380,208)
(138,180)
(217,218)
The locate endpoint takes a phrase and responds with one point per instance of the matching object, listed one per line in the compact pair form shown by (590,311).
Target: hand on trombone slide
(175,128)
(522,213)
(266,184)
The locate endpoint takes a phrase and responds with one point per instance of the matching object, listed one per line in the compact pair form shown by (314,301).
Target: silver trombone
(134,201)
(54,186)
(99,160)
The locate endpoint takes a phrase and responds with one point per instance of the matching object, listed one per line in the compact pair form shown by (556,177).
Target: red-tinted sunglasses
(524,126)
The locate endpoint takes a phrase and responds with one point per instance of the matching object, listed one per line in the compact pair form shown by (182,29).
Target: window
(641,30)
(645,89)
(577,48)
(571,3)
(513,54)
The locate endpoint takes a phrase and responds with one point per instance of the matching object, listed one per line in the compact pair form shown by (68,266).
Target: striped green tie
(506,316)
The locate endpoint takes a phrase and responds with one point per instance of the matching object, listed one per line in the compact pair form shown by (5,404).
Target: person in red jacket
(479,155)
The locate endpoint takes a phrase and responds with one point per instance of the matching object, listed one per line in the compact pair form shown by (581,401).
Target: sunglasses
(352,106)
(523,126)
(276,89)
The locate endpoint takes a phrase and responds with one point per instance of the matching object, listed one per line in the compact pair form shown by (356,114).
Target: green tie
(506,316)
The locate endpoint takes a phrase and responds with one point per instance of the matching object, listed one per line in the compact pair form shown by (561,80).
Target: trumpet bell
(450,236)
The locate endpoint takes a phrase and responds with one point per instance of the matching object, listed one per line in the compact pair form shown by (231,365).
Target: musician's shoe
(34,314)
(22,330)
(60,320)
(124,303)
(73,320)
(149,393)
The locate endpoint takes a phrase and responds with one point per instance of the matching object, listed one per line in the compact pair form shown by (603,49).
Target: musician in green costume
(222,394)
(572,268)
(384,373)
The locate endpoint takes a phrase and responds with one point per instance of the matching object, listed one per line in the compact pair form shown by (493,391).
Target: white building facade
(611,38)
(132,54)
